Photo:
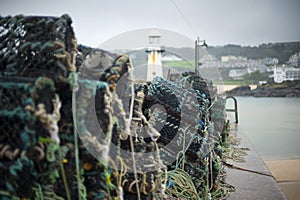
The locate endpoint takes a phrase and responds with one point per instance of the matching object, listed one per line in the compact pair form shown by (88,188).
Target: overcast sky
(219,22)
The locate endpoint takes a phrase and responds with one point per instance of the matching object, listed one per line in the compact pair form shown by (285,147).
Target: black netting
(36,46)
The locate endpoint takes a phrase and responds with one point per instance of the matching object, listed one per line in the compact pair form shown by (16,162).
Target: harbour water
(272,125)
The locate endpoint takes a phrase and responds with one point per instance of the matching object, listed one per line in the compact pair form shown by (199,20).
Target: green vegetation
(285,84)
(240,82)
(282,51)
(225,74)
(182,64)
(255,77)
(252,78)
(234,82)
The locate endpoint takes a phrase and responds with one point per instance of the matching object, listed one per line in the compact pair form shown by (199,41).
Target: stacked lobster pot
(41,156)
(191,121)
(75,125)
(36,59)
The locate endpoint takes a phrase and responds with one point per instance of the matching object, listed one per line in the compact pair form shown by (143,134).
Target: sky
(219,22)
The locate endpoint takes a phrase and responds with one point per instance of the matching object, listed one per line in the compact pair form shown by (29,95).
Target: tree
(255,77)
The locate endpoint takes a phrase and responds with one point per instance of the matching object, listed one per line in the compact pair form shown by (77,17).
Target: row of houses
(236,62)
(241,66)
(280,73)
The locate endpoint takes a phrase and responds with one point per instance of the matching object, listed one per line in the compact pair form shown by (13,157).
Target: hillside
(282,51)
(285,89)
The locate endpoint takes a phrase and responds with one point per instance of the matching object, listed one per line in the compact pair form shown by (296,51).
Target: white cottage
(284,73)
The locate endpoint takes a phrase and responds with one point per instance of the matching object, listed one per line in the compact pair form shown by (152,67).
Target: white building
(232,58)
(237,74)
(295,59)
(284,73)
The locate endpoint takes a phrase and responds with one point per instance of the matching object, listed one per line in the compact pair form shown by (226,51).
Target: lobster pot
(40,154)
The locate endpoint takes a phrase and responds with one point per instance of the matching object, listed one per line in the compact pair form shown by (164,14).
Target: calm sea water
(272,125)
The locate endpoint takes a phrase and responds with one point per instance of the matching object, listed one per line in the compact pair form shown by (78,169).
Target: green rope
(74,84)
(51,149)
(49,195)
(50,155)
(5,193)
(12,85)
(64,175)
(38,192)
(181,159)
(223,190)
(183,185)
(82,189)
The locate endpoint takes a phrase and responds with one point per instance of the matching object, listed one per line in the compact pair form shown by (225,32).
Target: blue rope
(171,184)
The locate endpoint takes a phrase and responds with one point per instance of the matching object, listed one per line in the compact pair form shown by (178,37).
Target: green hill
(281,50)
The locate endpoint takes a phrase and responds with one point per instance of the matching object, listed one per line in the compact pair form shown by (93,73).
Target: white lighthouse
(154,50)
